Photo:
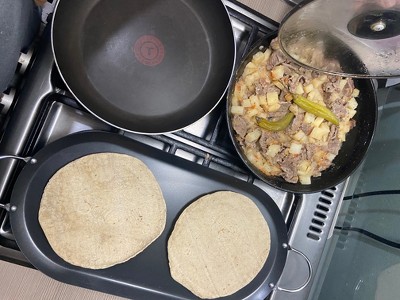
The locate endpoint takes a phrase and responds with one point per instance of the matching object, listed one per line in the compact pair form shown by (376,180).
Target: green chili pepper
(315,109)
(275,125)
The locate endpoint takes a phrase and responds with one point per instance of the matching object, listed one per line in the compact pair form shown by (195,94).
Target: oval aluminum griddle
(147,275)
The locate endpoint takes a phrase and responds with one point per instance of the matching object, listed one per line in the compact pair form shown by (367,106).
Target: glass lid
(355,38)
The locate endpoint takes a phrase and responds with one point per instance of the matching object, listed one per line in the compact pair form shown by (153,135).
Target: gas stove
(45,111)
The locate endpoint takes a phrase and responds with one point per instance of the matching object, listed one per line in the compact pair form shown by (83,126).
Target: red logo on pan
(149,50)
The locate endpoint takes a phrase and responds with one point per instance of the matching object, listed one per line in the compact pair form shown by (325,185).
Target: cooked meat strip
(289,168)
(339,110)
(240,125)
(296,123)
(277,57)
(281,112)
(268,138)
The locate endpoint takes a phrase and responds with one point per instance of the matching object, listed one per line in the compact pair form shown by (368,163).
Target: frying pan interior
(353,149)
(145,66)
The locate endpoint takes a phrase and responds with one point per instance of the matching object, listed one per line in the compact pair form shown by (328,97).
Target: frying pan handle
(310,271)
(7,207)
(25,159)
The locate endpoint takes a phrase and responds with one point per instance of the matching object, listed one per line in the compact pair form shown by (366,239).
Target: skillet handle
(25,159)
(310,271)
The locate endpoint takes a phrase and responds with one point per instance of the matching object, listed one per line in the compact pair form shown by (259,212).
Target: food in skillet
(218,245)
(101,210)
(290,121)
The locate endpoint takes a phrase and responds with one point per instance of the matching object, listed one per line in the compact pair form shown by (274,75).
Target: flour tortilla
(101,210)
(219,244)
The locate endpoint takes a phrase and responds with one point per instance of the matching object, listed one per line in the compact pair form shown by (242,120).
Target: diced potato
(304,167)
(344,127)
(258,58)
(316,96)
(274,107)
(295,148)
(299,89)
(254,101)
(266,168)
(316,82)
(308,88)
(279,85)
(262,99)
(356,93)
(253,136)
(283,138)
(252,112)
(246,103)
(325,129)
(305,179)
(237,110)
(250,69)
(267,54)
(352,104)
(272,98)
(288,97)
(330,156)
(319,133)
(342,83)
(309,118)
(299,135)
(261,57)
(334,96)
(317,121)
(323,78)
(270,169)
(277,72)
(250,79)
(325,126)
(294,109)
(351,113)
(235,100)
(273,150)
(255,158)
(265,107)
(241,90)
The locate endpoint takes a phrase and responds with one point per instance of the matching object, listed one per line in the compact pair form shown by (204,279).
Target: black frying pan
(145,276)
(145,66)
(353,149)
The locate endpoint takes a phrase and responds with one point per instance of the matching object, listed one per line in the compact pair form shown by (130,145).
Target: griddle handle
(25,159)
(310,271)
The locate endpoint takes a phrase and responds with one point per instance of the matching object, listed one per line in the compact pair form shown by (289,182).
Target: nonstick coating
(145,66)
(352,151)
(145,276)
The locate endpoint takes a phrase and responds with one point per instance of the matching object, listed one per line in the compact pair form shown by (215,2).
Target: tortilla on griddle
(101,210)
(219,244)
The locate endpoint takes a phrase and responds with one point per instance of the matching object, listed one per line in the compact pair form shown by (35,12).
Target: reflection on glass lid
(357,38)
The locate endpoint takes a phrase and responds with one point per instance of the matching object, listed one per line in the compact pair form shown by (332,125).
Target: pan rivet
(284,245)
(33,161)
(13,208)
(271,285)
